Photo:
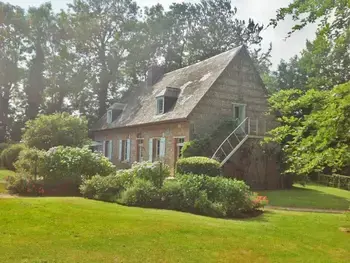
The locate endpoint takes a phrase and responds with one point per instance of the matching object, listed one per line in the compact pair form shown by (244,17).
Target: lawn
(310,196)
(80,230)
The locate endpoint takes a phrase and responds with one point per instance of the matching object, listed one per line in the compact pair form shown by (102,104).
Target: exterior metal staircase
(236,139)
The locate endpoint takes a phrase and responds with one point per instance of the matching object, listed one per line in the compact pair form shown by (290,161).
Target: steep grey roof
(193,81)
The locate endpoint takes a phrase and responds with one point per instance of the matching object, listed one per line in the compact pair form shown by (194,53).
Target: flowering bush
(23,184)
(260,201)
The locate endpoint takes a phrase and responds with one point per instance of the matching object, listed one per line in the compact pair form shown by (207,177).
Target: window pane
(160,102)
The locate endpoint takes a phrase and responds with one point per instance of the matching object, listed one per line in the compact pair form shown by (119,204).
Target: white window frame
(125,150)
(156,144)
(160,111)
(109,116)
(157,148)
(179,145)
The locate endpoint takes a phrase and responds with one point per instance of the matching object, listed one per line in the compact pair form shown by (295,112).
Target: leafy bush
(200,194)
(31,161)
(75,163)
(172,195)
(197,147)
(155,172)
(10,155)
(62,169)
(142,193)
(107,188)
(61,129)
(335,180)
(23,184)
(198,165)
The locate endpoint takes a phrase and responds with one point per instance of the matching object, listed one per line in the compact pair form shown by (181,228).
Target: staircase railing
(239,131)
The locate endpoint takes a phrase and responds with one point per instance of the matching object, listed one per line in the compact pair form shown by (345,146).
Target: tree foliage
(47,131)
(83,58)
(314,129)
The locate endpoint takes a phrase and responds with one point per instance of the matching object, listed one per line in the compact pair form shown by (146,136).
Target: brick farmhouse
(155,120)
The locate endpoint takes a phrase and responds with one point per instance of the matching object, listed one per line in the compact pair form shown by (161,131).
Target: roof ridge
(207,59)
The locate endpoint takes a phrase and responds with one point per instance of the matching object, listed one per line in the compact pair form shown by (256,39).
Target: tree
(314,129)
(190,32)
(41,25)
(12,31)
(47,131)
(100,27)
(335,13)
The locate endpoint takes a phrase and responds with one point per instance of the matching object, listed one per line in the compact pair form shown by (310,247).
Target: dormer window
(166,99)
(160,105)
(109,116)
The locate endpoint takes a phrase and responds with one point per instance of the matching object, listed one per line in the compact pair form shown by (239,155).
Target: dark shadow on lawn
(307,198)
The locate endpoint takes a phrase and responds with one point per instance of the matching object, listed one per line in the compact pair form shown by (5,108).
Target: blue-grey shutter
(120,150)
(128,148)
(104,148)
(150,150)
(110,150)
(162,148)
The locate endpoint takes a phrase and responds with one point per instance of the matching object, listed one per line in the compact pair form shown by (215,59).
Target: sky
(260,10)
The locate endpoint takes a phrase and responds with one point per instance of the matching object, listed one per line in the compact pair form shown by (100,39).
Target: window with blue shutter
(150,150)
(120,150)
(162,148)
(110,150)
(128,150)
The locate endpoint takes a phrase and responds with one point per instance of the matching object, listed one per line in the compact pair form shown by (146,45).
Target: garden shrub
(142,193)
(10,155)
(23,184)
(62,169)
(75,164)
(197,147)
(31,161)
(199,194)
(155,172)
(172,195)
(198,165)
(107,188)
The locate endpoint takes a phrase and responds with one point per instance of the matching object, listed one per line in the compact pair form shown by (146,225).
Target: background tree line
(311,92)
(81,59)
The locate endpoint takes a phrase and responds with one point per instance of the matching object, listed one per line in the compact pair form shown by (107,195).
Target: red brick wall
(167,130)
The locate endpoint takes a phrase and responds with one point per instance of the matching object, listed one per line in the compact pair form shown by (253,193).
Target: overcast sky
(260,10)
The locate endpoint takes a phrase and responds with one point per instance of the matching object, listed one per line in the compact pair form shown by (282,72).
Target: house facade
(156,119)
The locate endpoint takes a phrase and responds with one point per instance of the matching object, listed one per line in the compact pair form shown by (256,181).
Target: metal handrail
(239,126)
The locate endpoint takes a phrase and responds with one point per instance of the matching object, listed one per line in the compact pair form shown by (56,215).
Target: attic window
(109,116)
(160,105)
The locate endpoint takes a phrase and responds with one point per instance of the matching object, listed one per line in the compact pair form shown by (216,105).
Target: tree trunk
(36,84)
(102,93)
(4,111)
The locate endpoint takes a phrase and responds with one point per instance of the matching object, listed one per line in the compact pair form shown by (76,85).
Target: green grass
(80,230)
(310,196)
(5,173)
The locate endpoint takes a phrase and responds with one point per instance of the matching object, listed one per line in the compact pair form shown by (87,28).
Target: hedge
(335,180)
(198,165)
